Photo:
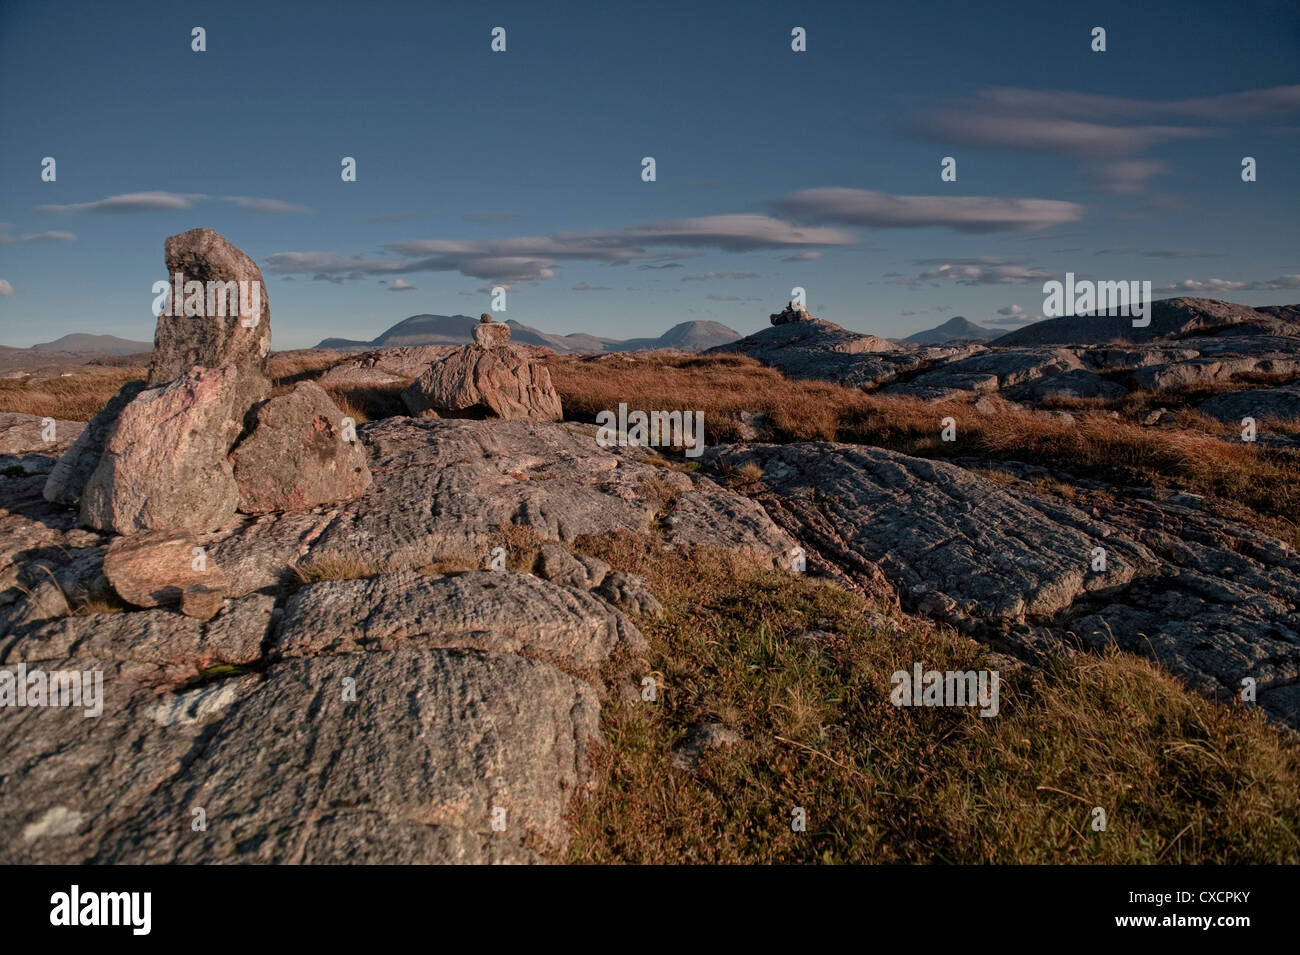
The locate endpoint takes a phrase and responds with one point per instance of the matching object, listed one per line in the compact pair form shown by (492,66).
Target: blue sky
(523,168)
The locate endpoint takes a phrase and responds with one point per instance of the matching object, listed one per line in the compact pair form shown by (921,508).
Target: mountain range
(459,330)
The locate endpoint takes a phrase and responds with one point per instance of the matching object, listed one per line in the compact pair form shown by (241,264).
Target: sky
(523,168)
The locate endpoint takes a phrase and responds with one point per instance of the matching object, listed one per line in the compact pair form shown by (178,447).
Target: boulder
(71,472)
(156,569)
(479,382)
(213,340)
(165,463)
(297,456)
(489,333)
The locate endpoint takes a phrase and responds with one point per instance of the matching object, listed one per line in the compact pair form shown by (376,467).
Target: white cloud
(401,285)
(5,287)
(156,201)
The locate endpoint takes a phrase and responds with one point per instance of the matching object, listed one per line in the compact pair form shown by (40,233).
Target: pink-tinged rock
(165,464)
(158,568)
(211,341)
(478,382)
(296,456)
(491,334)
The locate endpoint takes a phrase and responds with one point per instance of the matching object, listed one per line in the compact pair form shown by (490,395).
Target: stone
(211,341)
(296,456)
(165,463)
(699,739)
(68,478)
(1262,404)
(478,382)
(631,593)
(491,334)
(201,602)
(557,565)
(155,568)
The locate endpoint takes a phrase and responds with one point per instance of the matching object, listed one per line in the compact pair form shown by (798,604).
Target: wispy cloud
(1012,315)
(267,206)
(38,237)
(162,201)
(714,276)
(984,270)
(401,285)
(5,287)
(1225,285)
(531,258)
(969,214)
(155,201)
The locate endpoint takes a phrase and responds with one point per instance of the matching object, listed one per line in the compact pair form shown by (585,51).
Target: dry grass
(1196,453)
(76,398)
(1181,779)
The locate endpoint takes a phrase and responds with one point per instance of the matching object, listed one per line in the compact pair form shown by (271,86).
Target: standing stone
(210,341)
(165,463)
(296,457)
(71,472)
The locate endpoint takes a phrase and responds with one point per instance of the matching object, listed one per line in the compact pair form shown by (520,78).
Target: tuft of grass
(335,566)
(1181,779)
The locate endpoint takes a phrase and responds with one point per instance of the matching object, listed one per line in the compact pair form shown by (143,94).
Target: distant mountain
(96,344)
(1170,318)
(459,330)
(954,330)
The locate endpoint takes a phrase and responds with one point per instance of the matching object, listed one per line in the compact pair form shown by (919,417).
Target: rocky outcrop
(216,338)
(1213,601)
(301,454)
(1169,318)
(165,463)
(485,382)
(1262,404)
